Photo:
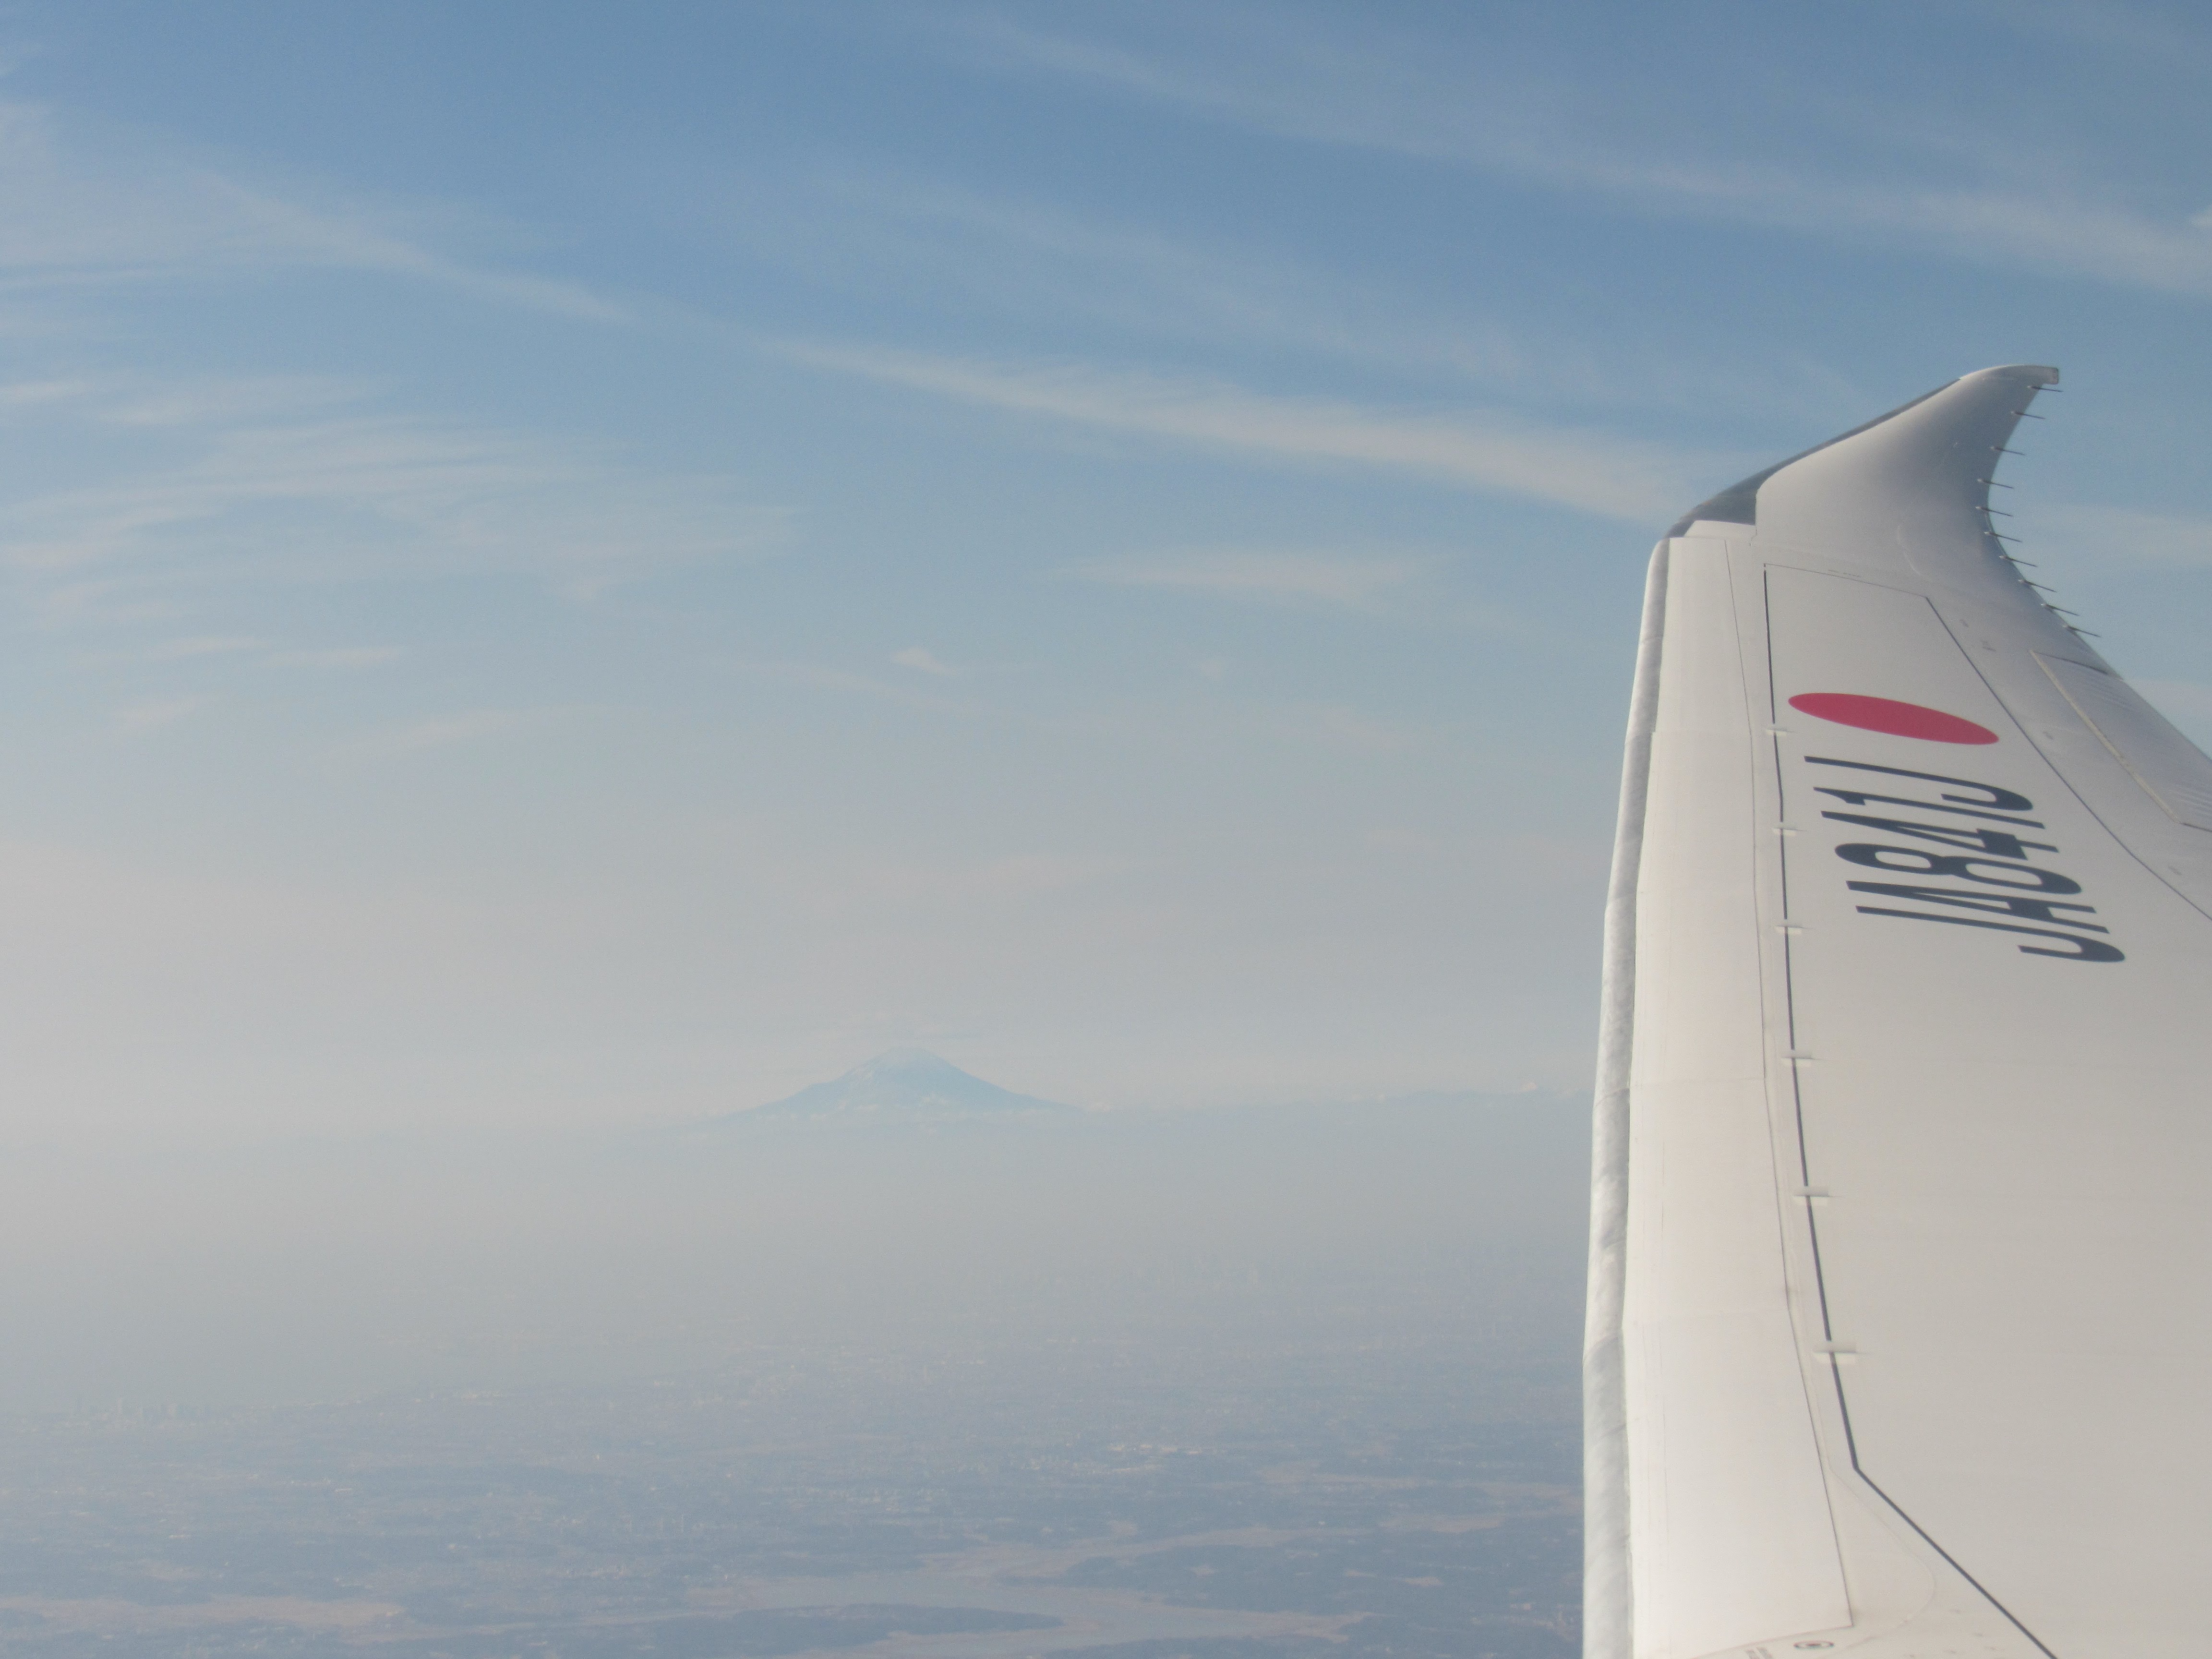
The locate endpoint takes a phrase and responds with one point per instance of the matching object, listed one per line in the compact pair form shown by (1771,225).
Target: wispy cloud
(345,656)
(1259,573)
(441,731)
(1019,878)
(85,205)
(1349,727)
(988,258)
(1011,256)
(1592,472)
(154,713)
(1321,83)
(2103,25)
(29,396)
(815,677)
(923,661)
(202,645)
(266,482)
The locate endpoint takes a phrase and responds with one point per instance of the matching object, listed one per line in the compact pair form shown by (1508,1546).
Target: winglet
(1924,466)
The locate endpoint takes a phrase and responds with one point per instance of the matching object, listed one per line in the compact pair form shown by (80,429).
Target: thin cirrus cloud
(86,206)
(1349,728)
(154,713)
(1590,471)
(268,482)
(342,656)
(1001,255)
(1011,255)
(1321,85)
(923,661)
(2105,25)
(439,732)
(202,645)
(817,676)
(1290,577)
(906,885)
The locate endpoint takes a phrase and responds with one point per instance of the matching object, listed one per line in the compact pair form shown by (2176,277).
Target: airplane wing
(1900,1324)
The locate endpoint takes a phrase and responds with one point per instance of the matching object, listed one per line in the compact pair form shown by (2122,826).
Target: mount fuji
(906,1085)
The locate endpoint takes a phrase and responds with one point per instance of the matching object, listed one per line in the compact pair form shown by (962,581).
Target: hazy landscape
(911,1368)
(571,573)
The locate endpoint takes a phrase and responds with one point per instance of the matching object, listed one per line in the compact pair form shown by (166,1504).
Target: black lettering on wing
(2000,800)
(1997,843)
(1861,798)
(1959,866)
(1988,857)
(2084,950)
(2032,909)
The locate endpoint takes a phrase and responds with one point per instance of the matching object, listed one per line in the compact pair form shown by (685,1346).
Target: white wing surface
(1900,1311)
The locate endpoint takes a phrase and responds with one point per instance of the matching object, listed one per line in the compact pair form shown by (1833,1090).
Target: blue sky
(587,564)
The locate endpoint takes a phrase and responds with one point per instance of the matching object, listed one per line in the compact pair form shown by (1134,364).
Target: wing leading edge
(1897,1327)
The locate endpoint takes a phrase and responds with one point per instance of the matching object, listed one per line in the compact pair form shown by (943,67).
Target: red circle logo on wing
(1898,719)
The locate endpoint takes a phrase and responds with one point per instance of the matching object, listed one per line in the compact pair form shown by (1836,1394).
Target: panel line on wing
(2172,771)
(2125,844)
(1797,1095)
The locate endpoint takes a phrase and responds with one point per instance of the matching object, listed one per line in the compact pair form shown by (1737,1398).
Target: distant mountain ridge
(904,1085)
